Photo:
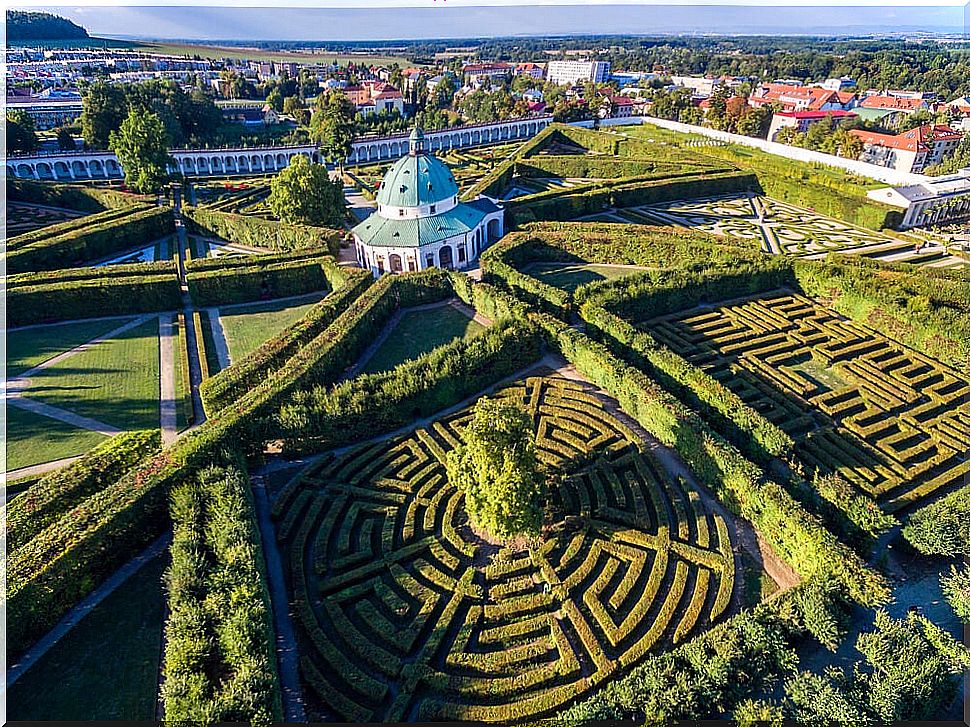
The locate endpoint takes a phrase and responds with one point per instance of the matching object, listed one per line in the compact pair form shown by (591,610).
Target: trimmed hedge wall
(141,226)
(242,375)
(257,232)
(69,196)
(45,233)
(260,280)
(114,293)
(369,405)
(942,527)
(105,272)
(921,308)
(220,655)
(60,491)
(797,536)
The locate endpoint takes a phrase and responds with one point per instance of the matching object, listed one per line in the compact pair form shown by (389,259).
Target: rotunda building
(419,222)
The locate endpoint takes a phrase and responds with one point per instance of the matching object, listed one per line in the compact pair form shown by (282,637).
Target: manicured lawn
(115,382)
(34,439)
(570,277)
(419,332)
(106,668)
(30,347)
(248,327)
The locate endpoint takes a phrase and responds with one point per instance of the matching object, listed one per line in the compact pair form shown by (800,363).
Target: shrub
(942,527)
(956,589)
(261,280)
(220,660)
(260,233)
(60,491)
(98,239)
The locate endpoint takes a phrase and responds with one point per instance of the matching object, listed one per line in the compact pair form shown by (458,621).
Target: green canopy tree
(303,193)
(333,127)
(142,148)
(497,470)
(103,108)
(65,140)
(20,131)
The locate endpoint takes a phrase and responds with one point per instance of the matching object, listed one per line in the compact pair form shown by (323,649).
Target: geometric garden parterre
(892,421)
(406,613)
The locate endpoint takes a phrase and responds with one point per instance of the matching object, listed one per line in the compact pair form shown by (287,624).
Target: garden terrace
(406,613)
(24,217)
(886,418)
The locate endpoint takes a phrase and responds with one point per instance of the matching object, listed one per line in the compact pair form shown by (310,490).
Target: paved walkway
(286,644)
(167,409)
(359,206)
(219,338)
(17,669)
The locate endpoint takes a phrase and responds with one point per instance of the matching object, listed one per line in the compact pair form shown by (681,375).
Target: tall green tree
(21,136)
(303,193)
(65,139)
(104,107)
(141,144)
(497,471)
(333,127)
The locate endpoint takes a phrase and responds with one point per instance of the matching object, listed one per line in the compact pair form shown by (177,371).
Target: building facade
(419,222)
(566,73)
(937,200)
(801,120)
(911,151)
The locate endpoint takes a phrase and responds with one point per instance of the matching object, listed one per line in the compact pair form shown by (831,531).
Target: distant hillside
(23,26)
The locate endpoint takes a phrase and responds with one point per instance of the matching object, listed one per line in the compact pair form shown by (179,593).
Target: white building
(419,222)
(933,201)
(569,72)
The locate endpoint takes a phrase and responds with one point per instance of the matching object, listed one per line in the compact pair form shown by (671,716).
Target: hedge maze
(23,218)
(406,613)
(891,420)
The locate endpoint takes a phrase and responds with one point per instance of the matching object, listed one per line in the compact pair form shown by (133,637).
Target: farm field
(239,52)
(115,381)
(890,420)
(418,332)
(34,439)
(248,326)
(571,276)
(76,680)
(406,613)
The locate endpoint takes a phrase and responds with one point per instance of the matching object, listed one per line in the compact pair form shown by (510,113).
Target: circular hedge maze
(406,614)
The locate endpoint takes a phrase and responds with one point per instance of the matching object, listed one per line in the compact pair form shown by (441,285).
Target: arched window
(396,265)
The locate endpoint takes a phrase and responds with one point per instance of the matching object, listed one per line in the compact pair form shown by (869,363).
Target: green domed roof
(417,180)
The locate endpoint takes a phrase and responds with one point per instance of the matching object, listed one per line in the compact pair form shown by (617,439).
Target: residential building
(49,111)
(838,84)
(801,120)
(959,106)
(533,70)
(802,98)
(616,107)
(700,85)
(478,73)
(894,103)
(374,97)
(419,222)
(911,151)
(570,72)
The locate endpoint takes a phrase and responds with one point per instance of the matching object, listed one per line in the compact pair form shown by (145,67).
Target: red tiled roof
(810,97)
(915,140)
(892,102)
(836,114)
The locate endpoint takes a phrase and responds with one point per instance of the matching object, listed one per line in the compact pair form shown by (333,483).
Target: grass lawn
(34,439)
(115,382)
(248,327)
(419,332)
(106,668)
(30,347)
(570,277)
(208,343)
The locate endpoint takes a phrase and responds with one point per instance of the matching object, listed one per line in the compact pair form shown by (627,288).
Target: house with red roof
(533,70)
(801,120)
(911,151)
(801,98)
(895,103)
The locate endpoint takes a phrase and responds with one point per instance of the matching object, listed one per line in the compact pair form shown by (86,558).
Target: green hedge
(105,272)
(798,537)
(45,233)
(942,527)
(242,375)
(256,232)
(140,227)
(220,657)
(99,295)
(60,491)
(369,405)
(598,167)
(920,308)
(69,196)
(259,281)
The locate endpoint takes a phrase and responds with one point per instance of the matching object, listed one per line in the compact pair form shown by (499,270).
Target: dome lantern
(416,141)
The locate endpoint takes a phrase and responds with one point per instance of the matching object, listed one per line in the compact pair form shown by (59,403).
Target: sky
(410,19)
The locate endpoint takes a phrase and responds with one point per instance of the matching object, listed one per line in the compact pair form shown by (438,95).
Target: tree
(142,148)
(293,106)
(956,589)
(20,131)
(497,471)
(333,127)
(303,193)
(750,713)
(755,122)
(275,99)
(65,140)
(104,107)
